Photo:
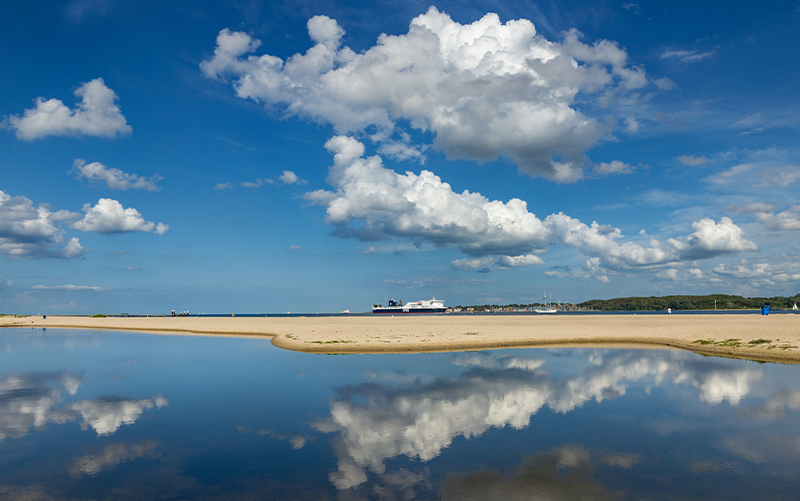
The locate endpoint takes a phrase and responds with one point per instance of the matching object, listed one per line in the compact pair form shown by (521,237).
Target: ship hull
(412,311)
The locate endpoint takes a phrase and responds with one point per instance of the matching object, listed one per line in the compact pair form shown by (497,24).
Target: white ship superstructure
(423,306)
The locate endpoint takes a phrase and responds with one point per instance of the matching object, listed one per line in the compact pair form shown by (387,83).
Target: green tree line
(723,302)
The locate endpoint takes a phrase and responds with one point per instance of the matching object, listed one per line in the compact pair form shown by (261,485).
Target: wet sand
(773,337)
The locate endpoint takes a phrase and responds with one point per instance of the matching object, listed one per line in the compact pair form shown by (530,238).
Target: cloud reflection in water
(374,422)
(114,454)
(566,472)
(32,400)
(106,415)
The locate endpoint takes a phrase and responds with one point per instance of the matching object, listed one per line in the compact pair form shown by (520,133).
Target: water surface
(115,415)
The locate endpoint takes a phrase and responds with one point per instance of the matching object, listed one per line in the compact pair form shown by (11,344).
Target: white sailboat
(547,307)
(794,307)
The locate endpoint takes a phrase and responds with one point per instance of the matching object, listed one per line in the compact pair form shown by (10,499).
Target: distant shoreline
(767,338)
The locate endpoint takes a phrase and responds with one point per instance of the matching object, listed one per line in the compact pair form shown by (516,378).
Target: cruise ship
(424,306)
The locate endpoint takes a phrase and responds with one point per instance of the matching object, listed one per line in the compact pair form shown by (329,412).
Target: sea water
(122,415)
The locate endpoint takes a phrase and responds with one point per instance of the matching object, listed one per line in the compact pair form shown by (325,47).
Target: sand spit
(769,338)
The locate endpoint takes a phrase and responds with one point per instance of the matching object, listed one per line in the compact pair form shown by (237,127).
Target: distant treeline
(723,302)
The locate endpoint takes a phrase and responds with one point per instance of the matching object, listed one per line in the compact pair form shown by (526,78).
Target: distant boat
(795,307)
(547,307)
(345,312)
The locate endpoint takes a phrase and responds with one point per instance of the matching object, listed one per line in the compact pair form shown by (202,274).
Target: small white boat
(345,312)
(794,307)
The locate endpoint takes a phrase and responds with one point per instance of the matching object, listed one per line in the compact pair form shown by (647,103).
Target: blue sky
(315,156)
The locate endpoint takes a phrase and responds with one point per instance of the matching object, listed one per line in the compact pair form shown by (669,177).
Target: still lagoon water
(115,415)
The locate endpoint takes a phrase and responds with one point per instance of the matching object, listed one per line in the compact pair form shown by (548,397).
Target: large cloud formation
(483,89)
(32,232)
(373,203)
(96,115)
(421,207)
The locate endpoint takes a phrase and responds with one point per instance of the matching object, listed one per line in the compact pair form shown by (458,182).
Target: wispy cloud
(692,160)
(633,7)
(287,177)
(79,9)
(757,176)
(687,56)
(70,287)
(114,179)
(751,120)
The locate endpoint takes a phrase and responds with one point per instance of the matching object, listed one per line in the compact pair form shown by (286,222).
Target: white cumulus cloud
(713,239)
(614,167)
(95,115)
(765,214)
(421,207)
(786,220)
(517,261)
(108,216)
(483,264)
(484,90)
(32,232)
(372,203)
(288,177)
(758,274)
(114,179)
(668,274)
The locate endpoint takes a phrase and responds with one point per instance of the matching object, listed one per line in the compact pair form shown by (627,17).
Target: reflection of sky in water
(181,417)
(421,420)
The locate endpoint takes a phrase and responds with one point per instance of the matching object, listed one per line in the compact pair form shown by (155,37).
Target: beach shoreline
(766,338)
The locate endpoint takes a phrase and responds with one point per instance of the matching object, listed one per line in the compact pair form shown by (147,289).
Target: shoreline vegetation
(719,302)
(774,338)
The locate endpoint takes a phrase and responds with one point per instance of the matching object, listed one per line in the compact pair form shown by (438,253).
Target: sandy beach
(772,337)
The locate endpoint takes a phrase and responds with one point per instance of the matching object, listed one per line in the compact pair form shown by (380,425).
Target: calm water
(109,415)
